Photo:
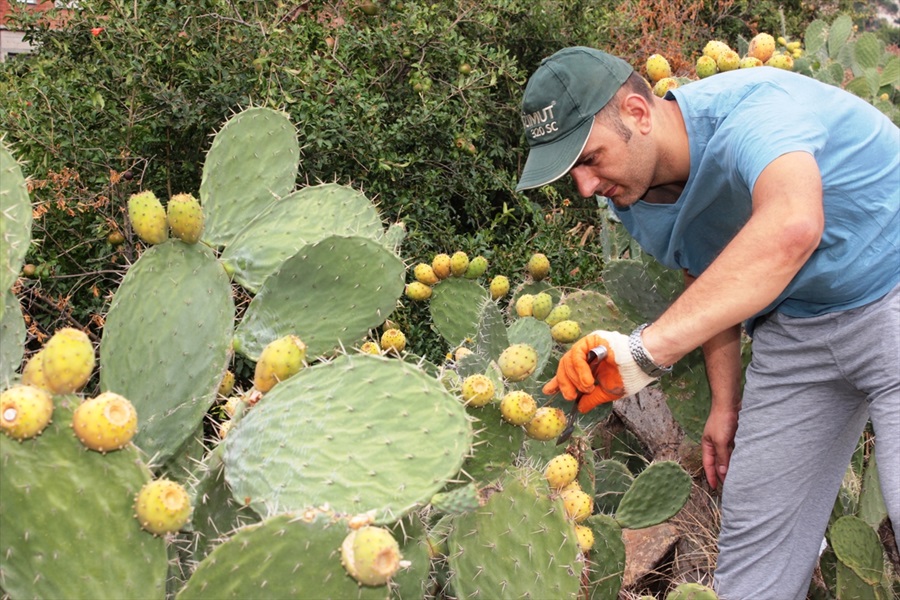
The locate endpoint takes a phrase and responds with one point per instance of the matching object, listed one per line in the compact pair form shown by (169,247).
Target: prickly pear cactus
(642,289)
(607,566)
(656,494)
(67,526)
(456,309)
(12,332)
(15,220)
(857,546)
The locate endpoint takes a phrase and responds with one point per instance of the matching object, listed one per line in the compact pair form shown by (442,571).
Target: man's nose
(585,182)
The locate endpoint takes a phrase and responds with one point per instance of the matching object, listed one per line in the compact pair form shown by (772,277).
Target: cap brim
(548,162)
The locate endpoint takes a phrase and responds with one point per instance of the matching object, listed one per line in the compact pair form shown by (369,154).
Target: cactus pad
(456,309)
(15,220)
(12,332)
(657,494)
(857,545)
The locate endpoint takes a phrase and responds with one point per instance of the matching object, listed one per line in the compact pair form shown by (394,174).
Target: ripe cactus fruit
(477,267)
(585,536)
(658,67)
(162,506)
(538,266)
(227,384)
(370,347)
(781,61)
(459,263)
(664,85)
(541,305)
(185,218)
(33,372)
(106,422)
(370,555)
(424,273)
(714,48)
(518,362)
(762,46)
(393,340)
(548,422)
(25,411)
(578,504)
(728,60)
(525,305)
(68,360)
(418,291)
(280,359)
(518,407)
(461,352)
(148,218)
(477,390)
(440,264)
(499,286)
(560,312)
(748,62)
(566,332)
(561,470)
(706,66)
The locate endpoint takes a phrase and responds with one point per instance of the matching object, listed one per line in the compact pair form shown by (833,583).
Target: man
(779,198)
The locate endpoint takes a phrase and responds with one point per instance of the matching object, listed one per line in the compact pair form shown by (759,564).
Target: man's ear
(637,109)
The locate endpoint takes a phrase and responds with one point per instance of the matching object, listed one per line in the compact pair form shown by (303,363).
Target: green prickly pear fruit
(714,48)
(370,347)
(477,390)
(68,360)
(33,372)
(585,537)
(518,407)
(541,305)
(517,362)
(762,47)
(162,506)
(566,332)
(560,312)
(424,273)
(477,267)
(664,85)
(561,470)
(525,305)
(393,340)
(279,360)
(440,264)
(459,263)
(499,286)
(226,386)
(538,266)
(781,61)
(658,67)
(418,291)
(706,66)
(185,218)
(25,411)
(548,422)
(148,218)
(370,555)
(578,504)
(728,60)
(105,423)
(748,62)
(692,591)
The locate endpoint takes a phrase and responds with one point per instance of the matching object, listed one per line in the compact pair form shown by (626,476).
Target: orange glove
(614,377)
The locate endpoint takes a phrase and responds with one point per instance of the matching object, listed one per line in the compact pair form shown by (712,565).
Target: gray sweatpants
(811,386)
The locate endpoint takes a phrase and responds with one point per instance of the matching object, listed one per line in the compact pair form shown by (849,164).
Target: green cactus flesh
(67,526)
(15,220)
(302,217)
(330,293)
(12,332)
(411,582)
(856,544)
(613,480)
(285,556)
(607,558)
(360,433)
(496,444)
(872,508)
(688,395)
(166,342)
(456,308)
(457,501)
(491,338)
(593,311)
(519,545)
(657,494)
(642,289)
(251,163)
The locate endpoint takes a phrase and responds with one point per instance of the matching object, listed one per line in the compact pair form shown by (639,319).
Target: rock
(645,548)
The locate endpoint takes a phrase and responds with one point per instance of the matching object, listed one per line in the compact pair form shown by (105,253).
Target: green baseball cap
(558,108)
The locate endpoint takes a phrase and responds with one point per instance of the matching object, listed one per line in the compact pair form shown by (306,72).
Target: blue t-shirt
(740,121)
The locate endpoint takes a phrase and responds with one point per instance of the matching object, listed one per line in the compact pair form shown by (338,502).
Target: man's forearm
(722,354)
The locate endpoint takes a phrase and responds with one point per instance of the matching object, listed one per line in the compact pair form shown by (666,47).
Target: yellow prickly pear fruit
(279,360)
(370,347)
(793,46)
(25,411)
(565,332)
(796,53)
(548,422)
(664,85)
(393,340)
(477,390)
(418,291)
(578,504)
(518,362)
(33,372)
(560,312)
(185,218)
(538,266)
(714,48)
(370,555)
(162,506)
(781,40)
(525,305)
(440,264)
(585,536)
(518,407)
(227,384)
(658,67)
(541,305)
(148,218)
(728,61)
(573,485)
(762,46)
(231,405)
(477,267)
(781,61)
(462,352)
(499,286)
(224,428)
(68,360)
(459,262)
(105,423)
(706,66)
(561,470)
(748,62)
(424,273)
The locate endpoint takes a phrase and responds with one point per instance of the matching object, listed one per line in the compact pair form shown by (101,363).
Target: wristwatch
(642,357)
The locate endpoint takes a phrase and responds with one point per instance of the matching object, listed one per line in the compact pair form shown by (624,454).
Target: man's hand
(614,377)
(717,443)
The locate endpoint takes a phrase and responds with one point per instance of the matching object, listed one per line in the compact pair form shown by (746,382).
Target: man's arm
(784,229)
